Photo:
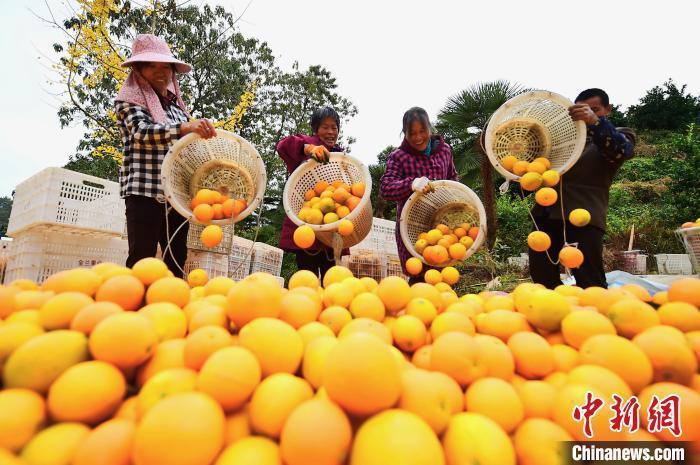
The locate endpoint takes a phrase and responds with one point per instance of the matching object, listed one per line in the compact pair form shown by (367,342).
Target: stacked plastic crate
(62,219)
(376,256)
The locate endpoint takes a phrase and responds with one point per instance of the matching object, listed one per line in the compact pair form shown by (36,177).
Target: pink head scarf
(136,90)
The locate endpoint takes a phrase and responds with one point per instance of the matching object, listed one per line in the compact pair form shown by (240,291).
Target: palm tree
(462,122)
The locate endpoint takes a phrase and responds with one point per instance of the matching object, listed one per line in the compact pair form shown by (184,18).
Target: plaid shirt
(406,164)
(145,145)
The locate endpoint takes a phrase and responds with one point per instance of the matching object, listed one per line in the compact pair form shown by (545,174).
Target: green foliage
(382,208)
(5,209)
(102,167)
(665,107)
(514,225)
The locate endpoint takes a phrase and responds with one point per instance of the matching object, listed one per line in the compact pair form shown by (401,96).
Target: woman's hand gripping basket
(533,125)
(450,203)
(340,167)
(226,163)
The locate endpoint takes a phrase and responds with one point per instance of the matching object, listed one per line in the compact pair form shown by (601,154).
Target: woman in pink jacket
(295,150)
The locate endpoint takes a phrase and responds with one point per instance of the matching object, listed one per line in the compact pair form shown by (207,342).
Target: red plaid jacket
(406,164)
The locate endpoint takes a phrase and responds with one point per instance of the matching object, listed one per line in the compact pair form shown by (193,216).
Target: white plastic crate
(633,262)
(266,258)
(520,261)
(5,252)
(239,258)
(673,263)
(215,264)
(36,255)
(690,237)
(195,243)
(381,238)
(393,267)
(280,280)
(365,264)
(60,198)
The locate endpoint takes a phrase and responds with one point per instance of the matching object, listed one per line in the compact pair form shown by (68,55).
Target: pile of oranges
(328,203)
(442,245)
(134,366)
(208,205)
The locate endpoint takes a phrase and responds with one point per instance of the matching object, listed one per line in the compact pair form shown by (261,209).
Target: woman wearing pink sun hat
(151,117)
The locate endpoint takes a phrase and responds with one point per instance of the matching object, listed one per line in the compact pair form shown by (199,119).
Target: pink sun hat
(151,48)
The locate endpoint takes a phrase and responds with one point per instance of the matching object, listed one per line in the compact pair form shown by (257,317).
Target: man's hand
(583,112)
(317,152)
(203,127)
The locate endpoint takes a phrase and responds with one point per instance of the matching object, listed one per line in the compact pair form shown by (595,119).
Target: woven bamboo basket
(345,168)
(451,203)
(227,163)
(531,125)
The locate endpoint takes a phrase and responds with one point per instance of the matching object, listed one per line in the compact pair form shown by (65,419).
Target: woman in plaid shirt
(422,157)
(151,117)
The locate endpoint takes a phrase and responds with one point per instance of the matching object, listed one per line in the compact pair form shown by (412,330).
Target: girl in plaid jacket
(423,156)
(151,117)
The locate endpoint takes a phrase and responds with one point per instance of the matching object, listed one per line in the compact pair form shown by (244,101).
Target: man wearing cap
(151,117)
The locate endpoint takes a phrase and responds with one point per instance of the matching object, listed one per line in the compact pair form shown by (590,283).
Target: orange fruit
(197,277)
(254,450)
(494,358)
(126,291)
(125,340)
(536,167)
(533,355)
(352,202)
(208,196)
(298,309)
(89,316)
(508,162)
(520,167)
(604,380)
(451,321)
(433,276)
(365,325)
(55,445)
(449,274)
(317,432)
(433,396)
(457,251)
(22,414)
(440,255)
(358,189)
(220,285)
(367,305)
(574,395)
(531,181)
(168,320)
(565,357)
(258,295)
(312,331)
(396,436)
(497,400)
(315,355)
(149,270)
(303,278)
(689,406)
(88,392)
(336,274)
(546,196)
(202,343)
(230,376)
(183,429)
(408,333)
(211,236)
(173,290)
(455,354)
(423,309)
(274,400)
(685,290)
(204,213)
(570,257)
(577,327)
(275,344)
(621,356)
(345,227)
(479,439)
(421,357)
(310,194)
(362,375)
(168,354)
(335,317)
(579,217)
(681,315)
(108,444)
(537,441)
(536,397)
(208,315)
(237,426)
(414,266)
(539,241)
(59,310)
(340,195)
(76,280)
(320,187)
(394,292)
(228,207)
(543,161)
(631,317)
(501,323)
(550,178)
(669,353)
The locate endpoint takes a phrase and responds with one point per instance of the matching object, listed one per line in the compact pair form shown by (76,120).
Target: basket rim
(185,210)
(310,165)
(517,100)
(686,231)
(403,222)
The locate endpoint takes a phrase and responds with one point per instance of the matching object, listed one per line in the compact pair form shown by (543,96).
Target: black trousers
(146,228)
(318,263)
(590,242)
